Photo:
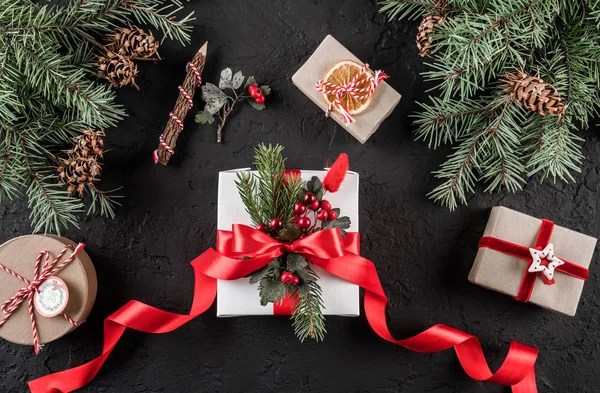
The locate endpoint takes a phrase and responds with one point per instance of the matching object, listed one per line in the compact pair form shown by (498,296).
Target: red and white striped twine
(39,277)
(363,77)
(177,120)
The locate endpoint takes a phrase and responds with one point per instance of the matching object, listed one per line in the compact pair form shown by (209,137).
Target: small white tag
(52,297)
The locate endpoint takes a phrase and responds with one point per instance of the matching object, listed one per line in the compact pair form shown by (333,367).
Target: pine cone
(88,144)
(535,95)
(82,166)
(134,42)
(78,172)
(117,69)
(426,29)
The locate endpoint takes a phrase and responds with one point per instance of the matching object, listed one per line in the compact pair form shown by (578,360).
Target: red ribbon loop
(251,242)
(339,258)
(519,251)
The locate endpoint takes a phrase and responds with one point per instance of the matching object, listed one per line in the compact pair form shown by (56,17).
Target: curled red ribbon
(517,370)
(517,250)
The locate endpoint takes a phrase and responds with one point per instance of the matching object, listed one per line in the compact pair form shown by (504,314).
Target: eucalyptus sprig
(221,100)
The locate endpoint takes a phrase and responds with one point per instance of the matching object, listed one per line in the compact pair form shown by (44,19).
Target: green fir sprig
(496,141)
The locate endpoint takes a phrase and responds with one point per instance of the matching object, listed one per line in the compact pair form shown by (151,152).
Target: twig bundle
(168,139)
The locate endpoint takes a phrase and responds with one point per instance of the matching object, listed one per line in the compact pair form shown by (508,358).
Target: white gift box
(238,297)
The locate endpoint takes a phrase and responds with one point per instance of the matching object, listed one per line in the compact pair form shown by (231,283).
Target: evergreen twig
(49,93)
(498,142)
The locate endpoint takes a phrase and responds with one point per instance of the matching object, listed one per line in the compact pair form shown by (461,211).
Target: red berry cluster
(289,279)
(256,93)
(310,201)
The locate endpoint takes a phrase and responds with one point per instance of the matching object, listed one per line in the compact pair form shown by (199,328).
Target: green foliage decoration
(496,141)
(49,93)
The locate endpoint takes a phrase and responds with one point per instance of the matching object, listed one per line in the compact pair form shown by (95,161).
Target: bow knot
(251,242)
(33,286)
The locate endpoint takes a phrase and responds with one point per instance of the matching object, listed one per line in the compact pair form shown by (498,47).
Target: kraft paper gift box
(19,255)
(504,273)
(327,54)
(238,297)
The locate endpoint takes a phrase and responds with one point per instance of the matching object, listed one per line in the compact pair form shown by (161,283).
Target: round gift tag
(52,297)
(80,285)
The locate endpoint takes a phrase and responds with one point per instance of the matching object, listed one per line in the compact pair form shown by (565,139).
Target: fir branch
(246,185)
(446,121)
(558,152)
(104,201)
(413,9)
(307,316)
(270,165)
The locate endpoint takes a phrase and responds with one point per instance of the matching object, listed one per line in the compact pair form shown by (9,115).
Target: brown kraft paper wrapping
(19,254)
(327,54)
(503,273)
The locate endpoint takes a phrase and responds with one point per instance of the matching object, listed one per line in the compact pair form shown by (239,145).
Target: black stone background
(422,251)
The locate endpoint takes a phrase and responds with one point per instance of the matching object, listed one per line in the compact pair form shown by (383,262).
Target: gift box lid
(238,297)
(325,56)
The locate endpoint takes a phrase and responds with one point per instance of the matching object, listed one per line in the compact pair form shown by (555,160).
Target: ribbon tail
(517,371)
(134,315)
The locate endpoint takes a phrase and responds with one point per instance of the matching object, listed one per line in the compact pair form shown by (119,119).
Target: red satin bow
(517,371)
(517,250)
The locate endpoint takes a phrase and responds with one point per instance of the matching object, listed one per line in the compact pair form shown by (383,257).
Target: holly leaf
(211,92)
(271,290)
(341,222)
(266,89)
(314,185)
(214,105)
(204,117)
(225,81)
(237,80)
(259,275)
(289,233)
(249,81)
(306,275)
(296,262)
(255,105)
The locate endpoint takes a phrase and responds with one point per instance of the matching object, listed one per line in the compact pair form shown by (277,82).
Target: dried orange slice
(341,74)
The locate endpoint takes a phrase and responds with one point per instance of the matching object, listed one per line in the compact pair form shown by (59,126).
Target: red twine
(176,119)
(331,252)
(534,267)
(39,277)
(359,93)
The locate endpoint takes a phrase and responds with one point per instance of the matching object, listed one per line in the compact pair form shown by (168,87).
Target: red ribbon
(326,249)
(517,250)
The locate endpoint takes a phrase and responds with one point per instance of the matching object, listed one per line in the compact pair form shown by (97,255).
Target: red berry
(299,208)
(295,280)
(262,228)
(286,277)
(333,215)
(254,90)
(309,198)
(323,215)
(260,99)
(315,205)
(276,224)
(303,222)
(325,204)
